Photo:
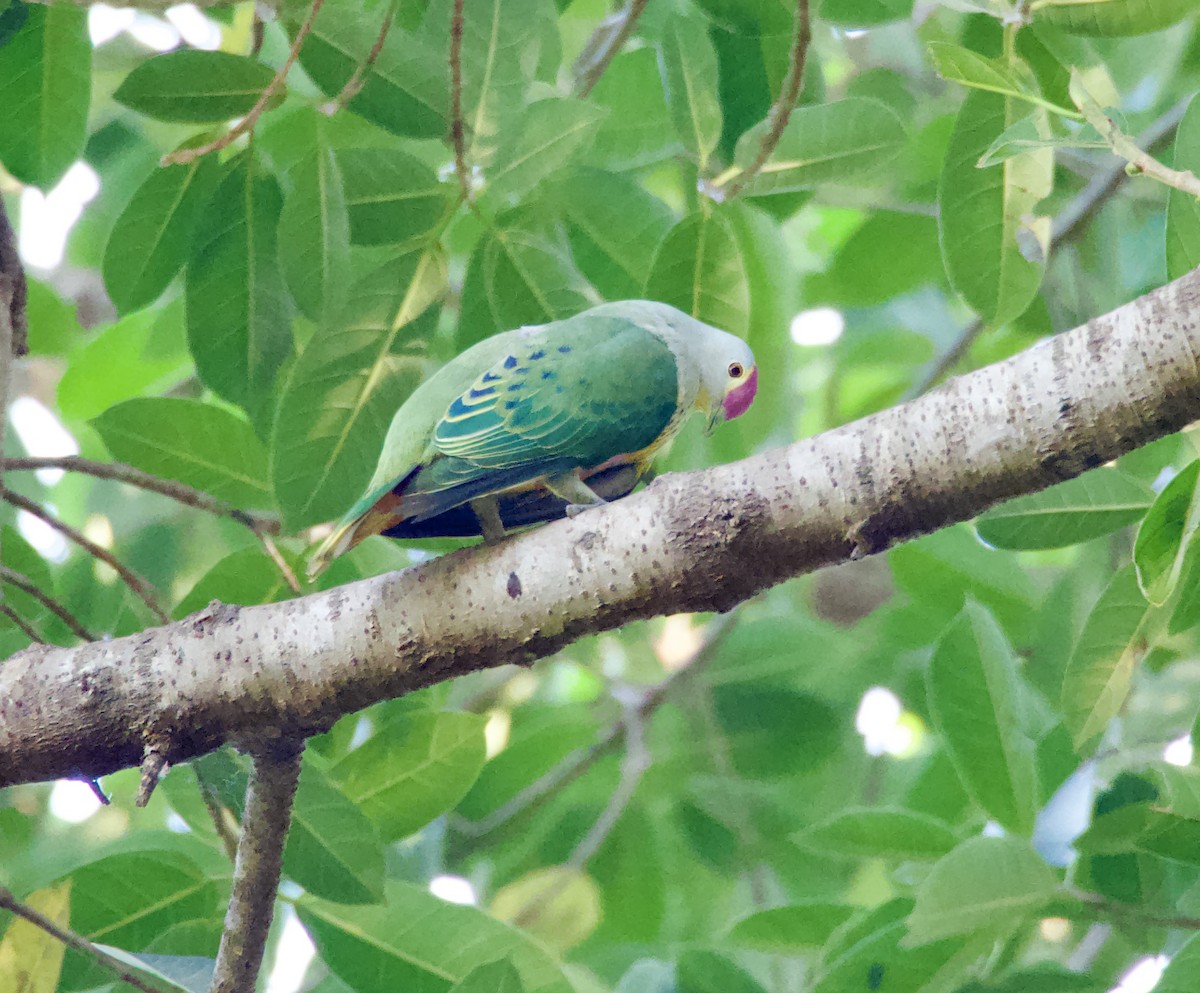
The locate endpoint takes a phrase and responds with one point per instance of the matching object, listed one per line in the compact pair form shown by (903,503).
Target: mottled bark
(694,541)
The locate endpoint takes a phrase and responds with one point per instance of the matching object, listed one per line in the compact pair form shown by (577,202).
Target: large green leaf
(690,76)
(406,90)
(333,849)
(150,239)
(549,134)
(985,883)
(45,89)
(699,269)
(975,696)
(791,929)
(393,198)
(379,948)
(1112,18)
(30,957)
(637,131)
(700,971)
(1091,505)
(1100,670)
(205,446)
(195,86)
(344,389)
(500,976)
(847,141)
(1180,974)
(244,577)
(1166,534)
(414,769)
(879,832)
(239,328)
(983,212)
(1183,209)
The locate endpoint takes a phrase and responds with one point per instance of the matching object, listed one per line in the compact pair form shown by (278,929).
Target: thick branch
(265,823)
(689,542)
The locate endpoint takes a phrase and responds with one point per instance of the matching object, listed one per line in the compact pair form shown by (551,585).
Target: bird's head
(728,378)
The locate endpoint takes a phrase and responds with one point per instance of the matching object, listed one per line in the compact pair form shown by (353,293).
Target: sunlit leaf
(690,76)
(195,86)
(550,133)
(1112,18)
(1183,209)
(30,957)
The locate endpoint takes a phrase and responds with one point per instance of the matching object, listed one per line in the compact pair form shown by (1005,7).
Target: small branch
(617,31)
(1135,912)
(247,123)
(457,136)
(14,296)
(1122,145)
(128,576)
(781,110)
(180,492)
(154,764)
(73,940)
(289,576)
(26,628)
(23,582)
(948,360)
(217,812)
(355,83)
(265,822)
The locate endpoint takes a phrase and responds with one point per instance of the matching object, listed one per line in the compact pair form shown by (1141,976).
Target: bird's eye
(735,370)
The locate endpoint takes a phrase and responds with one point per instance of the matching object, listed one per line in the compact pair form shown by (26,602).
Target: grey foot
(488,515)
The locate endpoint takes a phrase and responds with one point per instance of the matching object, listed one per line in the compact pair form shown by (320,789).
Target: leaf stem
(617,30)
(23,582)
(355,83)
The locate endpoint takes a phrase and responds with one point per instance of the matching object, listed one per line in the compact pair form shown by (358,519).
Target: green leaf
(689,69)
(699,269)
(982,212)
(415,769)
(196,87)
(244,577)
(314,236)
(378,948)
(129,899)
(53,324)
(186,973)
(551,132)
(45,89)
(1171,836)
(517,277)
(637,131)
(333,849)
(790,930)
(1100,670)
(393,198)
(961,65)
(1094,504)
(1180,974)
(975,697)
(150,239)
(879,832)
(702,971)
(406,90)
(344,389)
(1112,18)
(614,227)
(500,976)
(196,443)
(1183,209)
(1029,134)
(985,883)
(145,352)
(238,321)
(848,141)
(1166,534)
(558,906)
(30,957)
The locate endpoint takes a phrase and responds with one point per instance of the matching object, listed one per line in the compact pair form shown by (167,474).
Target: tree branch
(184,155)
(128,576)
(355,83)
(72,940)
(26,628)
(781,110)
(265,822)
(689,542)
(604,45)
(23,582)
(180,492)
(457,136)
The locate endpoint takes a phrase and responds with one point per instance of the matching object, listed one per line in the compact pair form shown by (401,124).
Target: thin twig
(122,473)
(128,576)
(184,155)
(1127,148)
(457,135)
(20,622)
(781,109)
(216,810)
(73,940)
(154,764)
(265,821)
(1067,224)
(1135,912)
(618,32)
(23,582)
(574,765)
(289,576)
(355,83)
(14,296)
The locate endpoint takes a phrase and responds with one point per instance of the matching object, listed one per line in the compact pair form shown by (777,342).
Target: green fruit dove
(543,421)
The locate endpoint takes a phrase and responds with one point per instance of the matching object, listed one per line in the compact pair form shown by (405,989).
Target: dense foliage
(687,805)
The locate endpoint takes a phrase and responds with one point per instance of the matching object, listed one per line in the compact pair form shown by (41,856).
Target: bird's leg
(488,515)
(575,491)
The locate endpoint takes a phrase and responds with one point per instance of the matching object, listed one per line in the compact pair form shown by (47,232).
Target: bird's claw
(575,509)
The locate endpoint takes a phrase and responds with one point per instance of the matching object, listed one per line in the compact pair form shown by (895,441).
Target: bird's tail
(341,539)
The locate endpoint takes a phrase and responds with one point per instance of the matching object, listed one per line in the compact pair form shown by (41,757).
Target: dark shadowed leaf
(393,198)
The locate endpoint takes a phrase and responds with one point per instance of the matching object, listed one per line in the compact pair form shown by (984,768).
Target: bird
(545,421)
